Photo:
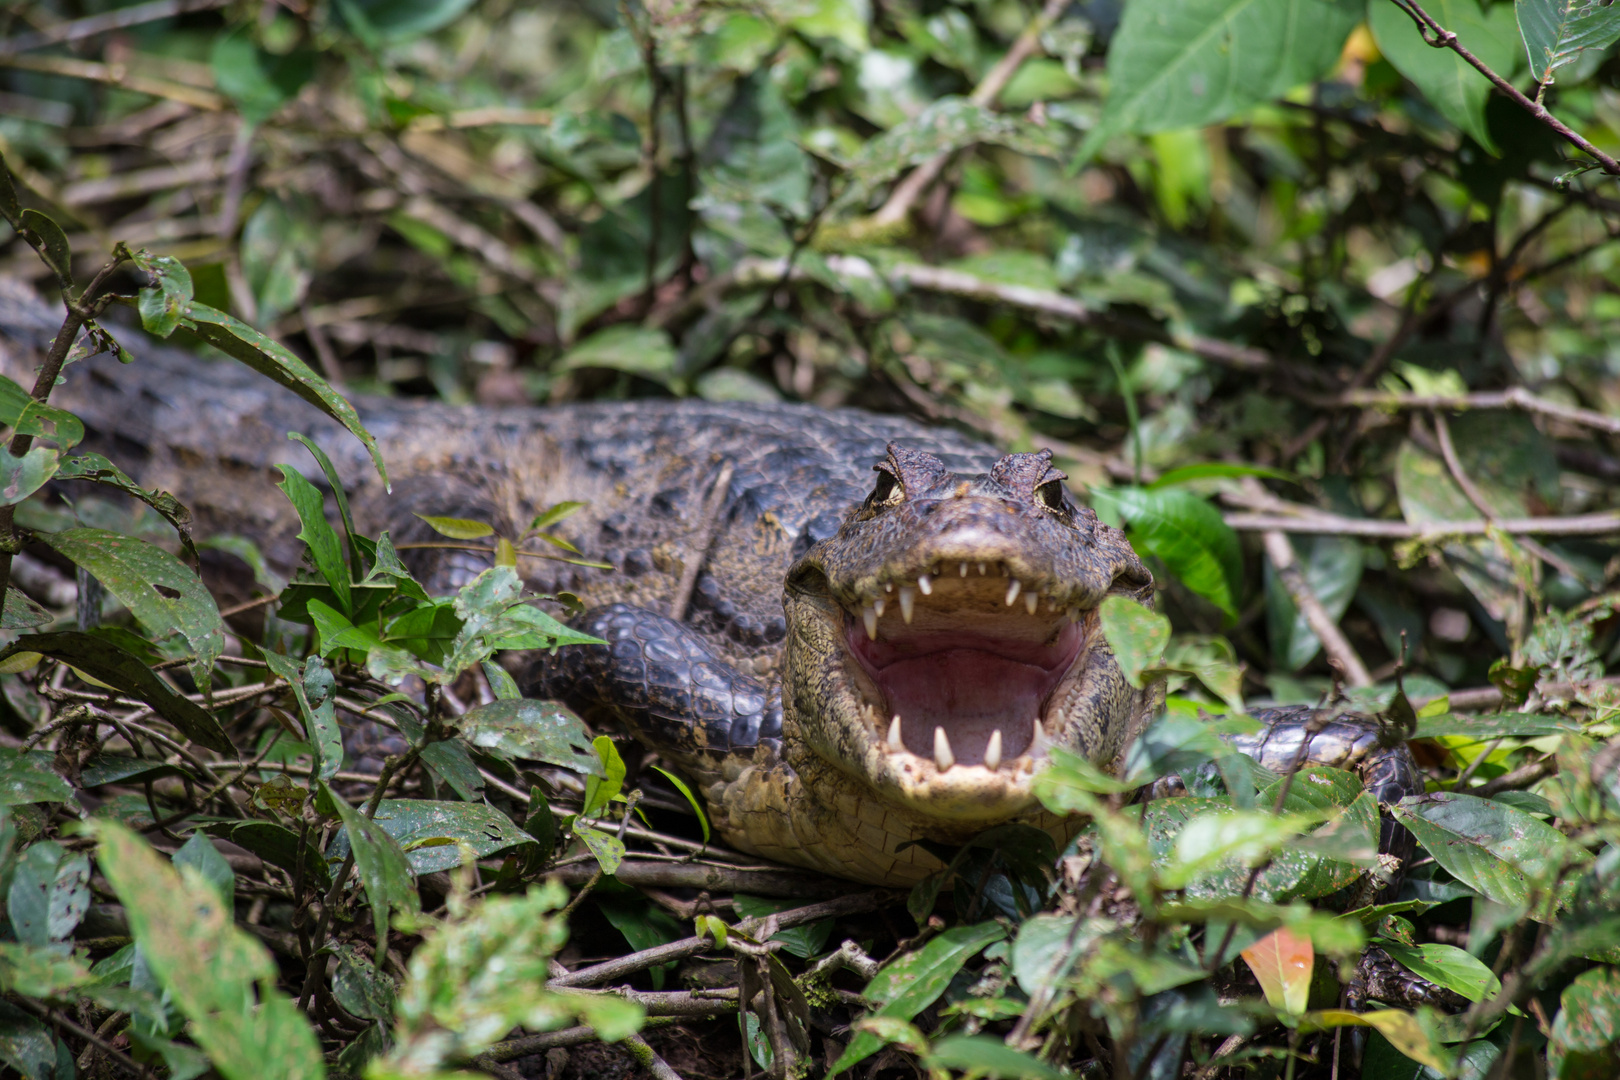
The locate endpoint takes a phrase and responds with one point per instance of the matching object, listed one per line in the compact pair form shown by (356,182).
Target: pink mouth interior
(996,675)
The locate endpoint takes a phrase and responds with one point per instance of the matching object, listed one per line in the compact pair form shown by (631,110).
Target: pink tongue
(970,693)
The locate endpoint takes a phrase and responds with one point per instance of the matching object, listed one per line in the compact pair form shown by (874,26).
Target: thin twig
(117,19)
(1337,647)
(911,188)
(1445,39)
(1516,398)
(648,1058)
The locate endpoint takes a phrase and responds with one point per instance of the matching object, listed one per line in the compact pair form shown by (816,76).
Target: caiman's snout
(966,641)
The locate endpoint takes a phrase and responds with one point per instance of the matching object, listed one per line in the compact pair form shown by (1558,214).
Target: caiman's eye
(887,490)
(1050,495)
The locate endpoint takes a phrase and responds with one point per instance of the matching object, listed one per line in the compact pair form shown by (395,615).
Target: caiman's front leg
(662,683)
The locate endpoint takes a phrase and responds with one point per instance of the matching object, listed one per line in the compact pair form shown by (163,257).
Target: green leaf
(159,589)
(221,979)
(604,786)
(1585,1040)
(384,871)
(1210,470)
(164,305)
(452,764)
(634,349)
(98,470)
(21,613)
(103,660)
(51,243)
(458,528)
(314,688)
(27,777)
(30,417)
(1556,32)
(1446,79)
(356,559)
(428,832)
(360,988)
(910,984)
(272,360)
(50,892)
(605,848)
(279,846)
(10,208)
(200,854)
(259,82)
(317,533)
(1136,633)
(1492,848)
(985,1055)
(1446,965)
(1189,63)
(1186,532)
(697,807)
(26,1045)
(21,477)
(1407,1033)
(555,513)
(40,972)
(531,730)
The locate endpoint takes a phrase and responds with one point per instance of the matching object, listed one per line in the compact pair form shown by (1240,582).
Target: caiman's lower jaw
(961,676)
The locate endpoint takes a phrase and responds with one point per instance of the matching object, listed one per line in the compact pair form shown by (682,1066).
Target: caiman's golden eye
(1050,495)
(887,490)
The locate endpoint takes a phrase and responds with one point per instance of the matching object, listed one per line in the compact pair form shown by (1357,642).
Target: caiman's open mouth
(962,664)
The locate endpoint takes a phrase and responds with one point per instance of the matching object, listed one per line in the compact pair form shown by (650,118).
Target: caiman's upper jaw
(957,666)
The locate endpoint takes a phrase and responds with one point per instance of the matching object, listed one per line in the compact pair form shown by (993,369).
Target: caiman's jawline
(962,667)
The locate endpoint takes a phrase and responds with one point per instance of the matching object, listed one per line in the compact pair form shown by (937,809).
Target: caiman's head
(947,636)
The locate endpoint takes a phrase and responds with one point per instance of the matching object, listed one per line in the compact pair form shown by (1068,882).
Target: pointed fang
(894,734)
(1031,602)
(908,600)
(942,750)
(1012,591)
(963,569)
(878,605)
(869,614)
(983,570)
(992,751)
(924,586)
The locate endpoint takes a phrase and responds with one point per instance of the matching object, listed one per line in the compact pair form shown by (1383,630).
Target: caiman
(852,631)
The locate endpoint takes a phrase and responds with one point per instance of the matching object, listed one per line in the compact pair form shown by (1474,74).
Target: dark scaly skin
(747,691)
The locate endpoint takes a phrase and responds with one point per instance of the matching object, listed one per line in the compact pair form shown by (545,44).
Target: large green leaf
(537,731)
(317,533)
(384,870)
(30,417)
(1503,853)
(20,477)
(429,832)
(910,984)
(1585,1040)
(222,979)
(102,659)
(1446,965)
(1556,32)
(27,777)
(98,470)
(1446,79)
(1186,532)
(49,894)
(1187,63)
(158,588)
(1136,633)
(1332,568)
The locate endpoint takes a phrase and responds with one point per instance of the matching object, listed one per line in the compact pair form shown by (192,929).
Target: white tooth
(925,586)
(894,734)
(963,568)
(869,613)
(1012,591)
(888,586)
(992,751)
(878,605)
(1031,602)
(1040,732)
(982,570)
(908,597)
(942,750)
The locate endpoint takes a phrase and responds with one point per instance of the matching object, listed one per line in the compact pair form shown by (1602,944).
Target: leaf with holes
(98,470)
(158,589)
(415,824)
(164,304)
(49,894)
(532,730)
(1584,1043)
(30,417)
(1556,32)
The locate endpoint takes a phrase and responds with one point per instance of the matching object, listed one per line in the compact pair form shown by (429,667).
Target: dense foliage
(1315,297)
